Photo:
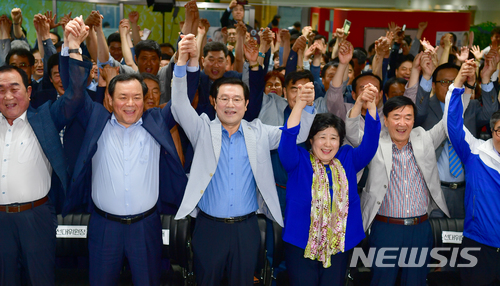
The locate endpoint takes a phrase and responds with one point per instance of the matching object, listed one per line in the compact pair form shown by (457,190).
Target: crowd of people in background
(265,120)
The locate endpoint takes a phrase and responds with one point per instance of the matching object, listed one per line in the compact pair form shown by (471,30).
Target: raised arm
(181,108)
(17,21)
(446,50)
(241,31)
(488,91)
(224,20)
(125,40)
(102,45)
(285,43)
(133,18)
(288,149)
(67,106)
(363,154)
(334,95)
(192,17)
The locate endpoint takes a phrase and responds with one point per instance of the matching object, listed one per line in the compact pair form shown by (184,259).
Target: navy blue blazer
(50,118)
(158,123)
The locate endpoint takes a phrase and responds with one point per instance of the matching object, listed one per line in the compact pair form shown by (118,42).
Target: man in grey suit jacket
(231,177)
(430,112)
(402,189)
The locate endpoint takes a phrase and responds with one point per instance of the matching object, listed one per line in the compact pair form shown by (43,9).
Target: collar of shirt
(21,117)
(405,147)
(115,122)
(240,130)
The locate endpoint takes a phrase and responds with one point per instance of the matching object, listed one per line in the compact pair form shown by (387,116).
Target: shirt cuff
(65,51)
(193,69)
(494,76)
(426,84)
(108,62)
(487,87)
(228,9)
(180,71)
(310,109)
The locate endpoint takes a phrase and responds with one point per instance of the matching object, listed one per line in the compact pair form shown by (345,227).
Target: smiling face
(152,98)
(214,64)
(400,122)
(127,101)
(238,13)
(362,82)
(329,74)
(23,63)
(231,36)
(148,61)
(14,96)
(325,144)
(404,70)
(230,105)
(115,49)
(273,85)
(38,68)
(55,78)
(396,89)
(440,89)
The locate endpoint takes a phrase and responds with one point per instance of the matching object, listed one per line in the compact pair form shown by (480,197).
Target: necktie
(455,164)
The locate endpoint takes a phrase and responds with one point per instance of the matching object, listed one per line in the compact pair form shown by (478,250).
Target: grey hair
(494,119)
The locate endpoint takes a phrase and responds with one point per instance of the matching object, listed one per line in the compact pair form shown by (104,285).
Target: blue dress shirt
(232,190)
(125,169)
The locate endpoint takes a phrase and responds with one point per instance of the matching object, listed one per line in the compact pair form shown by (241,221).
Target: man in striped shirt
(403,187)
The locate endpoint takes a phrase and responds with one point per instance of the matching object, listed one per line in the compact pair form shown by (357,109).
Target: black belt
(125,219)
(453,186)
(229,220)
(402,221)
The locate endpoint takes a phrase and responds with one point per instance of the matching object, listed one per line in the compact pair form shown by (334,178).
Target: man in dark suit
(430,112)
(128,188)
(30,146)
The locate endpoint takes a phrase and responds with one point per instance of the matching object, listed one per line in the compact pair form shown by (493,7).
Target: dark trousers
(218,246)
(454,200)
(304,271)
(487,269)
(110,242)
(28,246)
(401,236)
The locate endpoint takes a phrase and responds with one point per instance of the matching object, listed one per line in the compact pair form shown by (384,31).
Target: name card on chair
(452,237)
(71,231)
(165,235)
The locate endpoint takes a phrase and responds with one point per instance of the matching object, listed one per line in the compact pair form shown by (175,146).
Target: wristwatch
(76,51)
(470,86)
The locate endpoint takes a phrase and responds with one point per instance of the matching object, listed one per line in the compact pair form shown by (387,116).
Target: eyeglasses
(445,82)
(497,131)
(226,100)
(21,65)
(276,85)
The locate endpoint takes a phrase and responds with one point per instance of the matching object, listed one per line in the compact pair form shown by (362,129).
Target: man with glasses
(22,59)
(231,177)
(430,112)
(482,164)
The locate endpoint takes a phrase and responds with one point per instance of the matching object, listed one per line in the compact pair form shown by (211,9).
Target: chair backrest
(446,233)
(76,241)
(178,249)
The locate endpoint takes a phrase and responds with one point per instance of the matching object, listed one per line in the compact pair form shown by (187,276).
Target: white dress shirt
(125,169)
(25,170)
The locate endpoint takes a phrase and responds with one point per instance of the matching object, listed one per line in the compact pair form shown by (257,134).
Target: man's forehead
(18,58)
(402,111)
(451,73)
(215,54)
(366,80)
(300,81)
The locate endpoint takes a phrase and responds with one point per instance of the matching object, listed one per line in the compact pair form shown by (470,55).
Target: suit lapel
(418,148)
(216,132)
(435,106)
(251,144)
(386,146)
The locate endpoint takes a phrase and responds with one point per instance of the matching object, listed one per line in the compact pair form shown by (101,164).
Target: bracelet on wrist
(254,66)
(262,55)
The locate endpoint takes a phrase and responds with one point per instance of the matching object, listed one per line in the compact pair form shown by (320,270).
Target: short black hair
(407,39)
(58,45)
(398,102)
(404,58)
(392,81)
(360,54)
(214,47)
(147,45)
(57,35)
(318,36)
(214,91)
(231,57)
(24,76)
(494,119)
(166,57)
(115,37)
(443,67)
(52,62)
(295,76)
(333,63)
(371,47)
(21,53)
(168,45)
(124,77)
(495,31)
(275,22)
(323,121)
(355,81)
(297,24)
(332,42)
(152,77)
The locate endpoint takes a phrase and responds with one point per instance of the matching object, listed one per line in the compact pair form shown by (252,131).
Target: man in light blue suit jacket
(231,177)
